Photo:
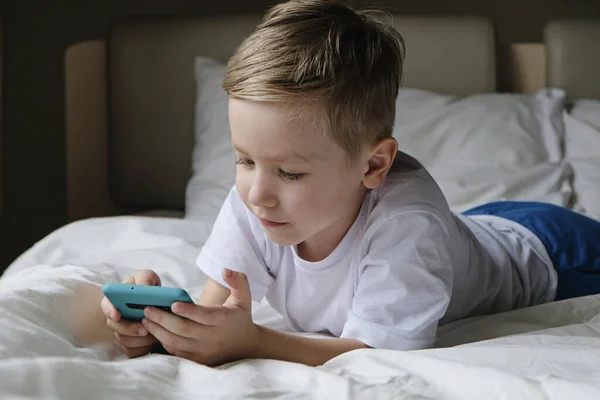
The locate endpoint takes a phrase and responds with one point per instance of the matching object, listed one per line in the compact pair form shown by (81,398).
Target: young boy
(341,232)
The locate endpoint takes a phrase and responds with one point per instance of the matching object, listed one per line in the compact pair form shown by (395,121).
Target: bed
(168,160)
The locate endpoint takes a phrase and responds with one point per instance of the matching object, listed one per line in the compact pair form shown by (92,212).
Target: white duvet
(48,299)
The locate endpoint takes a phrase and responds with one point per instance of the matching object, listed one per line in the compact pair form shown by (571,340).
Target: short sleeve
(404,284)
(237,243)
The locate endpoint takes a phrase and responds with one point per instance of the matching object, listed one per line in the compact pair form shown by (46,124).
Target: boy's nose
(261,195)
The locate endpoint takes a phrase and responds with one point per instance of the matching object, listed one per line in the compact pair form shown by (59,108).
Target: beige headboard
(151,90)
(573,57)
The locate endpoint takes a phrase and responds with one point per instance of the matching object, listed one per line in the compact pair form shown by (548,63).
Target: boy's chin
(282,239)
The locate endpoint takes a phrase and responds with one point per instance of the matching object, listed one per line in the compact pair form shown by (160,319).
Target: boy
(341,232)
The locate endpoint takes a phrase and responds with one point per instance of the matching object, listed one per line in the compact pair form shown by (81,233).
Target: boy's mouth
(270,224)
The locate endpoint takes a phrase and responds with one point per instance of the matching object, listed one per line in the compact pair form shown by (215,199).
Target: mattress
(49,296)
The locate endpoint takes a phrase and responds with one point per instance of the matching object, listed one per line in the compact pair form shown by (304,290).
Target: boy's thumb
(240,289)
(145,277)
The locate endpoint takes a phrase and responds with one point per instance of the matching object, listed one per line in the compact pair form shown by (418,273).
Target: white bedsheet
(545,352)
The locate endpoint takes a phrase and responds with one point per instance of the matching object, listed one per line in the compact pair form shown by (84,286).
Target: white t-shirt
(407,265)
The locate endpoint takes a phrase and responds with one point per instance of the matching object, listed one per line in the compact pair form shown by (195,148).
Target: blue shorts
(572,241)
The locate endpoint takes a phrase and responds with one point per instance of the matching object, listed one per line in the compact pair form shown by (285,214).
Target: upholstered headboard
(573,57)
(151,89)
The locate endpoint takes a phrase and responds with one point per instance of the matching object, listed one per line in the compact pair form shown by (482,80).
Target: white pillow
(213,159)
(488,147)
(582,147)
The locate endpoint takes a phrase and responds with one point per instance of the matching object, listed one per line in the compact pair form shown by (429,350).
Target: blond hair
(342,66)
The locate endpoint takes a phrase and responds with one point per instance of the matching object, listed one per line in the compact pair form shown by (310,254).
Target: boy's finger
(136,352)
(109,310)
(127,328)
(240,289)
(135,341)
(170,340)
(130,280)
(204,315)
(146,277)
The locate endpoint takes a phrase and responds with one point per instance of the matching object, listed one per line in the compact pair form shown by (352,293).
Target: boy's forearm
(84,317)
(213,294)
(277,345)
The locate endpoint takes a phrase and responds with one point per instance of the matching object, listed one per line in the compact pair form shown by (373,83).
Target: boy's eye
(290,175)
(244,161)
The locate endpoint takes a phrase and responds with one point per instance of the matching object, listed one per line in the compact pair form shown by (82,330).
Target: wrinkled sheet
(49,295)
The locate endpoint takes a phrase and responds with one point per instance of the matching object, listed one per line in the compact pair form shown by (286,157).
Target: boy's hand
(132,336)
(208,335)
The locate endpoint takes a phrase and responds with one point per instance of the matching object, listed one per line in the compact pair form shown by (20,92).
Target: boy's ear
(380,161)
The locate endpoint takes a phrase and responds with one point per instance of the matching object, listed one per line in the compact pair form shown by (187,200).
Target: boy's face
(293,178)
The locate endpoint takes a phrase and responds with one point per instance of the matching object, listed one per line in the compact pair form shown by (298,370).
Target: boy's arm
(277,345)
(213,335)
(213,294)
(282,346)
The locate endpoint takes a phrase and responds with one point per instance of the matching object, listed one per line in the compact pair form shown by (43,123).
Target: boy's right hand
(133,337)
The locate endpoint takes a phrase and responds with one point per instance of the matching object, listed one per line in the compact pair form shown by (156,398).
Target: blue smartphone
(131,300)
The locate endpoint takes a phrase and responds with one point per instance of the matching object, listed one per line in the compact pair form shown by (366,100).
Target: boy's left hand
(208,335)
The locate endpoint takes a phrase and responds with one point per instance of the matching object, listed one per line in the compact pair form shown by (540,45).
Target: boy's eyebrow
(289,156)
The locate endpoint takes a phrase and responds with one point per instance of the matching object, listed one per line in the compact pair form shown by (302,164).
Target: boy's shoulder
(408,203)
(407,209)
(408,187)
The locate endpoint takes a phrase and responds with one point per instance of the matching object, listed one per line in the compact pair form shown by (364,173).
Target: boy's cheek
(242,186)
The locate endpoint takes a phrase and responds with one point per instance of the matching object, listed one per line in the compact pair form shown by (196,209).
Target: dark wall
(37,32)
